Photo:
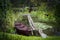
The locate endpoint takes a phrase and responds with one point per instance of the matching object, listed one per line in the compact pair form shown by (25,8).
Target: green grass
(7,36)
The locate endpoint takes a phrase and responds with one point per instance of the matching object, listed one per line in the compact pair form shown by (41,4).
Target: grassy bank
(7,36)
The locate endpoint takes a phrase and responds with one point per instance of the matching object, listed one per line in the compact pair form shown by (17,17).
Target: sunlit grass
(43,26)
